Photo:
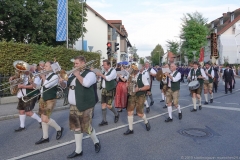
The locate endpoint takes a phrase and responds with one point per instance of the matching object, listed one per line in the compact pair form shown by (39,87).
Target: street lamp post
(82,21)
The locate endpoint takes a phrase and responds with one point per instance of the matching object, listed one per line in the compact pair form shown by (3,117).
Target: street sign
(90,48)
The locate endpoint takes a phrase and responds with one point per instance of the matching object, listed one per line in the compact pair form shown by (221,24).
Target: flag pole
(67,21)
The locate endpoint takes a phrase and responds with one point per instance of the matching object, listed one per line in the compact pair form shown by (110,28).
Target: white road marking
(85,137)
(233,103)
(224,108)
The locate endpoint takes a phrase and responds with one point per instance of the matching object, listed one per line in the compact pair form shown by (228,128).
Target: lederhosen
(164,85)
(48,100)
(209,82)
(175,86)
(108,92)
(138,99)
(80,115)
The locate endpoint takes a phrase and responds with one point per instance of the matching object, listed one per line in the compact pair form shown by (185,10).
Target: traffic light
(116,46)
(109,48)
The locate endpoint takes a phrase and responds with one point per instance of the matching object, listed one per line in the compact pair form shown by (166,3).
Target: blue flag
(61,20)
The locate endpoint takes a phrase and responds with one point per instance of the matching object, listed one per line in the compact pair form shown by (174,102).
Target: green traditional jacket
(50,93)
(109,85)
(198,73)
(175,85)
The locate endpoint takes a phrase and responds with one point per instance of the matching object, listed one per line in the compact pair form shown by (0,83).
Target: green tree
(173,46)
(157,54)
(141,60)
(193,33)
(35,21)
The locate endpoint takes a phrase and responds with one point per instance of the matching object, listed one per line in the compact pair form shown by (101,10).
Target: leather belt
(72,87)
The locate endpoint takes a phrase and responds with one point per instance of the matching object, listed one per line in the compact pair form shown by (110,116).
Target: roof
(226,18)
(108,22)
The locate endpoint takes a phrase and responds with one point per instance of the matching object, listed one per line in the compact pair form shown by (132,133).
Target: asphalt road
(212,133)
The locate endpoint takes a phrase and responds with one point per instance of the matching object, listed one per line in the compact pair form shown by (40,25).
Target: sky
(152,22)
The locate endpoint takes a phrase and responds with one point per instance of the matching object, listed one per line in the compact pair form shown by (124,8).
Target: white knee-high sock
(179,109)
(130,122)
(145,119)
(35,116)
(194,103)
(163,97)
(146,103)
(22,120)
(206,97)
(54,124)
(45,130)
(200,101)
(170,111)
(94,136)
(211,96)
(78,142)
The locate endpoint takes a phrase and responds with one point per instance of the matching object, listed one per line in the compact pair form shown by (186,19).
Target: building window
(232,17)
(221,21)
(213,25)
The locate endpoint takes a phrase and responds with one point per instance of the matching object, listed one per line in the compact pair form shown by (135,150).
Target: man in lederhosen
(47,103)
(137,99)
(198,74)
(149,73)
(164,86)
(25,108)
(172,94)
(108,84)
(82,98)
(208,82)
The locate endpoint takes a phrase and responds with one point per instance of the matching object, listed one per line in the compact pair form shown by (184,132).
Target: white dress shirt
(20,93)
(175,79)
(110,77)
(50,83)
(88,81)
(212,74)
(146,73)
(194,76)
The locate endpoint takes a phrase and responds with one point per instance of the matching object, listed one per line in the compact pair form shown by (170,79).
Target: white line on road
(233,103)
(85,137)
(224,108)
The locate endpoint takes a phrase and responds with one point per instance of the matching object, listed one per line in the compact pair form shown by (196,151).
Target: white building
(100,31)
(227,29)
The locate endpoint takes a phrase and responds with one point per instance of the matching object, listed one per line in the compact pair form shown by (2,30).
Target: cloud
(97,4)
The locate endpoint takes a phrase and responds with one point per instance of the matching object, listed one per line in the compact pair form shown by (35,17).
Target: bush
(33,53)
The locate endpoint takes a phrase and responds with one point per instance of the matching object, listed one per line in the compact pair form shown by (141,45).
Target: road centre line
(86,137)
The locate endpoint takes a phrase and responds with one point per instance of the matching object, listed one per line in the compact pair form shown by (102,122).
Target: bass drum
(193,85)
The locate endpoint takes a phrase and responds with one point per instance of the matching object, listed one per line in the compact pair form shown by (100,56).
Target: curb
(7,117)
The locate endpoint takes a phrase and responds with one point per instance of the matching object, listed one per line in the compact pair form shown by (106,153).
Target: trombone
(62,74)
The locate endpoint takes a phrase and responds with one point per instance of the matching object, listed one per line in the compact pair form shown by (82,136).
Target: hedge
(33,53)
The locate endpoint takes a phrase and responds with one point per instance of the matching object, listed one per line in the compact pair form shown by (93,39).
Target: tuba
(21,67)
(132,83)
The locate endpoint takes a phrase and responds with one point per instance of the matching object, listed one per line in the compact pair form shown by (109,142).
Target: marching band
(128,87)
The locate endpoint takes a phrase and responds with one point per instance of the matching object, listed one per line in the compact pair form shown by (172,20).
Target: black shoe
(128,132)
(180,115)
(168,119)
(151,103)
(148,109)
(211,100)
(120,110)
(42,141)
(226,92)
(165,106)
(103,123)
(19,129)
(148,127)
(59,133)
(194,110)
(97,147)
(205,102)
(74,154)
(200,107)
(230,91)
(40,124)
(215,91)
(162,101)
(116,118)
(135,114)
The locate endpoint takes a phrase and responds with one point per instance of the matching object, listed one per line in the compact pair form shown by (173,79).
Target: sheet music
(123,73)
(55,67)
(96,70)
(165,70)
